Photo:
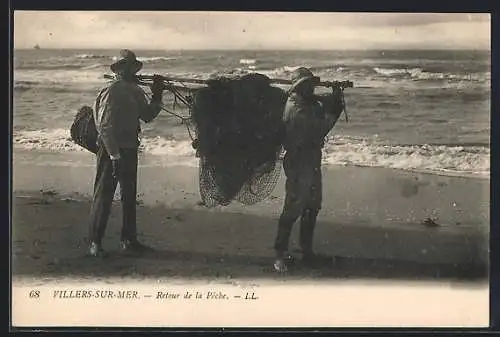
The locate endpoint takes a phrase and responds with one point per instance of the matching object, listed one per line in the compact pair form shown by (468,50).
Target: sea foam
(464,160)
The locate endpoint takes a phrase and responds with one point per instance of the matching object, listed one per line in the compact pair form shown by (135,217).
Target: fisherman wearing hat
(308,119)
(118,110)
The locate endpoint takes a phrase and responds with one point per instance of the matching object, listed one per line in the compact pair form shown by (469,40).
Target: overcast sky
(247,30)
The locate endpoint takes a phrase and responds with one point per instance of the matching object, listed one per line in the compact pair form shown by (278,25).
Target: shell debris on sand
(49,193)
(428,222)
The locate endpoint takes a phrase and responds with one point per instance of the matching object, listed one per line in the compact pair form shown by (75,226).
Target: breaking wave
(150,59)
(421,74)
(374,73)
(89,56)
(81,61)
(59,81)
(466,159)
(371,74)
(248,61)
(463,159)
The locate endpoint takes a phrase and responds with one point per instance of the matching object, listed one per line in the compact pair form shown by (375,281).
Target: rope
(344,105)
(177,96)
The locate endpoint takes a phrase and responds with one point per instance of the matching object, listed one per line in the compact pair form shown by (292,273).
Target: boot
(307,226)
(283,257)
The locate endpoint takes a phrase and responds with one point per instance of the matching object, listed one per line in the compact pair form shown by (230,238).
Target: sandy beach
(372,222)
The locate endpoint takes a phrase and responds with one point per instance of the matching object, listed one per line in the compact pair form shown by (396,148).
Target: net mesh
(238,123)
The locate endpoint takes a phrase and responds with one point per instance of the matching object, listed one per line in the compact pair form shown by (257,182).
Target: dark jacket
(307,123)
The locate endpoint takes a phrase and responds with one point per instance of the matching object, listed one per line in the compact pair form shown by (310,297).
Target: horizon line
(259,49)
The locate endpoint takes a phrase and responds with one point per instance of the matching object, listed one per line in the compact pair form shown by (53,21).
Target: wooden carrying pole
(144,78)
(171,82)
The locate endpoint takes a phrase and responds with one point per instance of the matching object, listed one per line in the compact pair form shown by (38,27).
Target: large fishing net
(238,121)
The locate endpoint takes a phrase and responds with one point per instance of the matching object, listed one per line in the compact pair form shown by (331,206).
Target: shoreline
(366,194)
(165,160)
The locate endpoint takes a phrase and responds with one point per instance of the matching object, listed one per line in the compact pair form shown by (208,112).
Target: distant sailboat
(36,46)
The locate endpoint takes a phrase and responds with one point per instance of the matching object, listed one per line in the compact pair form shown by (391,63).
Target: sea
(414,110)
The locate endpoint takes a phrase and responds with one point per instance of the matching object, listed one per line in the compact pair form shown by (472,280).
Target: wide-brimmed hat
(300,75)
(127,60)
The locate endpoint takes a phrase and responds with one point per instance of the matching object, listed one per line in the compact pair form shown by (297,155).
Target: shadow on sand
(49,241)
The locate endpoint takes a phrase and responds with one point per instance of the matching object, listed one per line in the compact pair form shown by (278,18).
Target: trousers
(303,198)
(104,190)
